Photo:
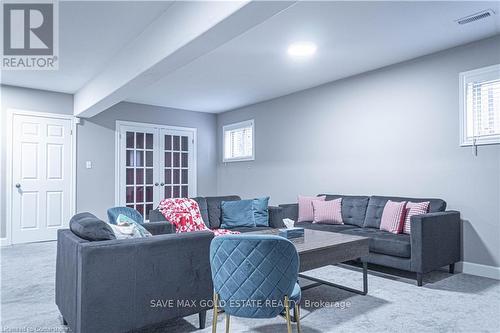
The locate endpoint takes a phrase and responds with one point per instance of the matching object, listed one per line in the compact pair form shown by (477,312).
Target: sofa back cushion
(377,203)
(214,211)
(353,208)
(202,203)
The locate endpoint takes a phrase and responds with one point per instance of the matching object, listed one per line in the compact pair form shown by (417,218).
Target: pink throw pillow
(393,217)
(306,212)
(328,211)
(414,208)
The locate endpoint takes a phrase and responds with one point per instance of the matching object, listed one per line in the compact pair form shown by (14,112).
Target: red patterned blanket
(185,215)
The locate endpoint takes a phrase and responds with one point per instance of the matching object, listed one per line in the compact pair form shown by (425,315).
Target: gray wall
(394,131)
(96,143)
(25,99)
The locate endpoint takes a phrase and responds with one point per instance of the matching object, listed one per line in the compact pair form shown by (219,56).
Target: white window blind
(480,106)
(239,141)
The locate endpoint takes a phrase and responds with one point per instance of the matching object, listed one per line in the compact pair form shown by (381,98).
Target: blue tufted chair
(254,276)
(130,212)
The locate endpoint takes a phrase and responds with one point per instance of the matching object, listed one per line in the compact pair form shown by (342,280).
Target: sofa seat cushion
(250,229)
(325,226)
(384,242)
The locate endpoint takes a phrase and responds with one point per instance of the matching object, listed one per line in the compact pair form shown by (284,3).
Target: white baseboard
(5,242)
(491,272)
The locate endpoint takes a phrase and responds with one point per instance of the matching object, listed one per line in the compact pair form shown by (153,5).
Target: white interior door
(41,177)
(155,162)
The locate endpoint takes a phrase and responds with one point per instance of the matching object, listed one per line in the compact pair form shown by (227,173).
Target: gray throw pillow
(89,227)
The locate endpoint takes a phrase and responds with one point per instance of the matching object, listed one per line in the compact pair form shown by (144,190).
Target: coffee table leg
(365,278)
(328,283)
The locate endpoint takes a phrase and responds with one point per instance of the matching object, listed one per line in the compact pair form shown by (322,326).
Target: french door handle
(162,184)
(18,185)
(156,184)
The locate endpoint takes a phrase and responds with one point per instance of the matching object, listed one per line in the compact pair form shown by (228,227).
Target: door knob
(161,184)
(156,184)
(18,185)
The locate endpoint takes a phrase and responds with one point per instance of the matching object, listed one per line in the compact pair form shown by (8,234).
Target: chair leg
(297,315)
(228,319)
(452,268)
(202,317)
(64,322)
(287,314)
(216,310)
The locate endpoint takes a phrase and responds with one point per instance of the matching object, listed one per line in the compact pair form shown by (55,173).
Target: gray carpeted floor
(446,303)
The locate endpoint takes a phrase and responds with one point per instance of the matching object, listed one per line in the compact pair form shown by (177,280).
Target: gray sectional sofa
(114,286)
(434,241)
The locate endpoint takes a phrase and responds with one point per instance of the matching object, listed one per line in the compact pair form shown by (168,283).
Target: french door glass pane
(130,176)
(139,161)
(168,142)
(176,192)
(176,166)
(149,141)
(139,176)
(185,146)
(139,140)
(149,176)
(177,144)
(130,140)
(129,194)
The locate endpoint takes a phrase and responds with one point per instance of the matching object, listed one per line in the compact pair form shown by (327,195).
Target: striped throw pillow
(414,208)
(393,217)
(328,211)
(305,207)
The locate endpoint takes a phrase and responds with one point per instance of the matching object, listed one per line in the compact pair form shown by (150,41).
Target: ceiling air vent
(476,17)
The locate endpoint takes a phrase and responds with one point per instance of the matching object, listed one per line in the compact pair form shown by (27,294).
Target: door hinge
(70,132)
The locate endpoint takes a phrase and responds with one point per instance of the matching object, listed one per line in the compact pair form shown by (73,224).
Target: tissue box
(294,232)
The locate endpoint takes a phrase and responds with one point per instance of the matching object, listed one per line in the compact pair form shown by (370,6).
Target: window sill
(244,159)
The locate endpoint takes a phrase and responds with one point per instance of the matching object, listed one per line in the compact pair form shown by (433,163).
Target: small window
(480,106)
(239,141)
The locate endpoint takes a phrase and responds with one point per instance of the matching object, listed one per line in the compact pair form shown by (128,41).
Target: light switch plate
(88,164)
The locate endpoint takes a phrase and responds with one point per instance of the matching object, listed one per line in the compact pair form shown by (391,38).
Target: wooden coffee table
(321,248)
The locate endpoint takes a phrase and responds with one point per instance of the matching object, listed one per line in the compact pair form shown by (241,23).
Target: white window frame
(234,126)
(465,77)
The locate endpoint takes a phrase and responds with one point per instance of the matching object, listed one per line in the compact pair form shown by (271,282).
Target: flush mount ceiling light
(302,49)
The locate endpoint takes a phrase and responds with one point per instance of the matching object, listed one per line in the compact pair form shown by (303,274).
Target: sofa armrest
(276,217)
(290,211)
(435,240)
(159,228)
(121,282)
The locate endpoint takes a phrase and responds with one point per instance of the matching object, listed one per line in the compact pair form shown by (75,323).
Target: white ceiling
(90,34)
(352,37)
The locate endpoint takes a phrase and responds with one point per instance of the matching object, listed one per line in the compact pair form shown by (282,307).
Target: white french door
(155,162)
(41,176)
